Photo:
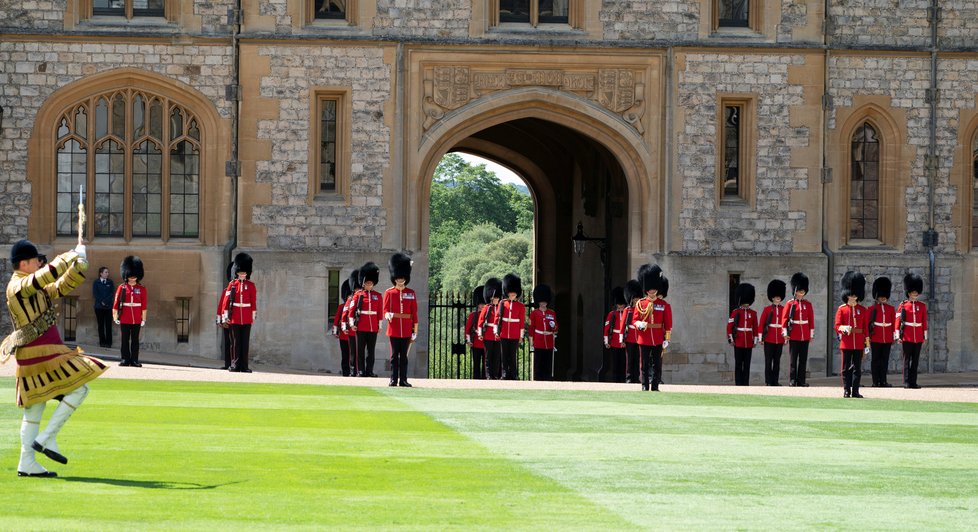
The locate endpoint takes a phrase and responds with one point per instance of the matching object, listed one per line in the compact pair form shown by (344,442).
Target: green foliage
(483,252)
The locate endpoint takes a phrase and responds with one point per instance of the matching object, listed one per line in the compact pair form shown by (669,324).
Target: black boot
(403,370)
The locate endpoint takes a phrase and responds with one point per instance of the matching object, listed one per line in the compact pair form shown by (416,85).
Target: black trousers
(852,369)
(632,355)
(772,363)
(366,344)
(103,318)
(494,368)
(798,351)
(880,362)
(226,346)
(742,365)
(130,342)
(240,343)
(651,360)
(911,360)
(355,367)
(478,363)
(509,347)
(399,358)
(345,357)
(543,364)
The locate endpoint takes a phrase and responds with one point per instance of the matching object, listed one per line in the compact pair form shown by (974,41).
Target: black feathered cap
(663,287)
(618,296)
(477,298)
(882,287)
(492,288)
(913,283)
(345,290)
(132,266)
(853,284)
(799,281)
(22,250)
(650,277)
(355,283)
(543,293)
(512,283)
(633,290)
(776,288)
(242,263)
(745,294)
(369,272)
(400,267)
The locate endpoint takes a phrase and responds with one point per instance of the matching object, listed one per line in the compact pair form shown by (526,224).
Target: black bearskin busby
(776,288)
(913,283)
(22,250)
(492,288)
(355,283)
(369,272)
(882,287)
(543,294)
(512,283)
(242,263)
(477,298)
(132,266)
(618,296)
(650,276)
(745,294)
(853,284)
(345,290)
(663,287)
(799,281)
(400,267)
(633,290)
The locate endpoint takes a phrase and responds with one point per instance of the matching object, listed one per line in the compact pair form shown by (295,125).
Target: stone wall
(32,15)
(879,22)
(666,20)
(957,27)
(213,16)
(440,19)
(794,14)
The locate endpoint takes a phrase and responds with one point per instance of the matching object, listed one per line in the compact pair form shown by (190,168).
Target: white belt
(511,320)
(882,324)
(616,330)
(241,304)
(546,332)
(132,304)
(800,322)
(745,329)
(368,312)
(775,326)
(913,324)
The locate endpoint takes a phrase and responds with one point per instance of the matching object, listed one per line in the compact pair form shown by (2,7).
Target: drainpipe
(931,165)
(826,178)
(232,168)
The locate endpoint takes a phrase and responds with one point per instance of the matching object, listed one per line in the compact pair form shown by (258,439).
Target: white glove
(495,329)
(142,323)
(606,344)
(896,336)
(333,331)
(117,322)
(845,329)
(641,325)
(758,340)
(925,335)
(388,316)
(729,338)
(784,333)
(254,316)
(81,251)
(414,336)
(665,344)
(866,351)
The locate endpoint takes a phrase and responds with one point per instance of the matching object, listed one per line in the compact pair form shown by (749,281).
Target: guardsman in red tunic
(487,329)
(798,327)
(472,337)
(742,332)
(852,325)
(614,338)
(241,310)
(633,292)
(770,325)
(129,309)
(401,313)
(511,319)
(364,316)
(543,333)
(911,328)
(652,319)
(351,337)
(339,331)
(882,323)
(223,324)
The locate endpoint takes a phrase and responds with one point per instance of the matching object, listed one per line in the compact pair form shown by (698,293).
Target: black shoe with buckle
(405,384)
(392,383)
(54,455)
(857,395)
(46,474)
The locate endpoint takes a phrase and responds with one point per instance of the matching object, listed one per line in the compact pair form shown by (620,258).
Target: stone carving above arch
(448,87)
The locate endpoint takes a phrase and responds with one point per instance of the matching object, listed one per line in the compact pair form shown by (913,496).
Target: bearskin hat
(663,287)
(650,277)
(477,298)
(882,287)
(492,288)
(355,283)
(543,294)
(776,288)
(799,281)
(512,283)
(242,263)
(633,290)
(369,272)
(132,266)
(400,267)
(853,284)
(913,283)
(345,290)
(745,294)
(618,296)
(22,250)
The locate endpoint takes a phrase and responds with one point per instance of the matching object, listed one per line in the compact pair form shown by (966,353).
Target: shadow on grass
(147,484)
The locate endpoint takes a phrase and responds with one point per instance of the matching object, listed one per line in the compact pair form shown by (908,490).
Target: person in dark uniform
(129,309)
(543,333)
(487,327)
(401,313)
(614,338)
(770,325)
(339,330)
(882,324)
(351,337)
(633,292)
(851,324)
(798,327)
(911,328)
(102,291)
(241,311)
(742,332)
(365,315)
(652,319)
(511,320)
(473,339)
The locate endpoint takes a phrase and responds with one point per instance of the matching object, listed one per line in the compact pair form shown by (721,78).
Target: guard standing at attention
(511,319)
(882,324)
(401,313)
(652,319)
(742,332)
(633,292)
(851,324)
(339,330)
(473,339)
(129,309)
(911,328)
(543,333)
(241,311)
(771,332)
(356,370)
(798,327)
(488,329)
(365,314)
(614,338)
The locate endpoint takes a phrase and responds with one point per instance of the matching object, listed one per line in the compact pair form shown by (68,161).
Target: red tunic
(365,311)
(240,302)
(882,323)
(471,333)
(799,320)
(628,335)
(338,329)
(742,327)
(403,304)
(543,327)
(613,332)
(771,319)
(911,321)
(512,320)
(130,302)
(658,321)
(345,318)
(486,327)
(857,319)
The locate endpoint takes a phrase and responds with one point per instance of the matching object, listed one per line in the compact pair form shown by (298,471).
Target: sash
(27,334)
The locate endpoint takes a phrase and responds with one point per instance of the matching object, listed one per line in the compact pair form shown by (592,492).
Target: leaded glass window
(864,191)
(733,13)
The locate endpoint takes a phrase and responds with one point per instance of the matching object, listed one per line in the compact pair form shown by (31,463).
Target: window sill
(872,245)
(105,21)
(329,197)
(523,28)
(734,203)
(736,33)
(330,24)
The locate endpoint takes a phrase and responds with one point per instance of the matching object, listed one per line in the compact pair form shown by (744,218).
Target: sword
(81,213)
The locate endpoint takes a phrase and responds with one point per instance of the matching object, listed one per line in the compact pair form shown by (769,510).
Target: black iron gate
(448,356)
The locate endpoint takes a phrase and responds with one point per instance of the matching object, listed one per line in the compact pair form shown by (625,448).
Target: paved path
(952,387)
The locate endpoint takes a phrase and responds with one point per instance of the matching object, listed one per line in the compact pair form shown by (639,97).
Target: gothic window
(733,13)
(534,12)
(864,184)
(129,8)
(330,144)
(138,155)
(329,9)
(974,192)
(735,151)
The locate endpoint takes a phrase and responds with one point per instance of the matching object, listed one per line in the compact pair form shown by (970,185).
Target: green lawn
(173,455)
